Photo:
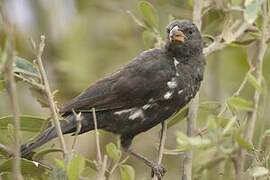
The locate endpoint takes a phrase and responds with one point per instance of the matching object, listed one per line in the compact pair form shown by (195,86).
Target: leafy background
(87,40)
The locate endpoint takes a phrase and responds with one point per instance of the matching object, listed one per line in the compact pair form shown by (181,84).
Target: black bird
(147,91)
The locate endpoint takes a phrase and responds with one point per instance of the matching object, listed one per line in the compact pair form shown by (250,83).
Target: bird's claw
(159,171)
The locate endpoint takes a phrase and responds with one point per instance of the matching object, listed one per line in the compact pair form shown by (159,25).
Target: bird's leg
(157,169)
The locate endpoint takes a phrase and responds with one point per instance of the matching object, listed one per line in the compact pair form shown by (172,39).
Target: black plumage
(151,88)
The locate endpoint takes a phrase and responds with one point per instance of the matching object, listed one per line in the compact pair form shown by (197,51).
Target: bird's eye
(190,32)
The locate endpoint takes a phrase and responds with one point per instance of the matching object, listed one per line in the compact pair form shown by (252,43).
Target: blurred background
(89,39)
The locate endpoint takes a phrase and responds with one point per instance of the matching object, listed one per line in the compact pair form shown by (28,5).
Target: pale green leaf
(254,82)
(113,152)
(210,105)
(136,20)
(127,172)
(27,167)
(75,167)
(240,103)
(252,9)
(25,67)
(187,143)
(40,154)
(28,123)
(242,142)
(149,14)
(229,126)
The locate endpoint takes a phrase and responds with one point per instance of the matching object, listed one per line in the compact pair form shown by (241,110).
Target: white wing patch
(180,91)
(175,62)
(168,95)
(136,114)
(123,111)
(172,84)
(146,106)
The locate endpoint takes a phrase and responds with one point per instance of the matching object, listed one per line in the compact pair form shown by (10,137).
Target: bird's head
(183,39)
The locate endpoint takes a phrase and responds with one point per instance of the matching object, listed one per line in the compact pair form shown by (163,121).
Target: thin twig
(219,43)
(194,105)
(12,93)
(242,84)
(31,82)
(97,137)
(78,128)
(116,165)
(257,61)
(8,152)
(161,144)
(39,51)
(101,174)
(162,141)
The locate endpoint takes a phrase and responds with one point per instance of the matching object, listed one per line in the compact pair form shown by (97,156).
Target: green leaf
(40,154)
(187,143)
(148,38)
(2,85)
(27,167)
(149,14)
(25,67)
(258,171)
(75,167)
(254,82)
(240,103)
(210,105)
(113,152)
(252,9)
(242,142)
(28,123)
(180,116)
(127,172)
(136,20)
(60,163)
(229,125)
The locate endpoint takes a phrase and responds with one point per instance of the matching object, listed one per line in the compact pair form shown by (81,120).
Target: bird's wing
(133,85)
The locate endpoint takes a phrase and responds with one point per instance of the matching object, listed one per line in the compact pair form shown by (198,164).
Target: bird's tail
(67,127)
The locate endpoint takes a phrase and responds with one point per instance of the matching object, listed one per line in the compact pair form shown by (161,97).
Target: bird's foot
(158,170)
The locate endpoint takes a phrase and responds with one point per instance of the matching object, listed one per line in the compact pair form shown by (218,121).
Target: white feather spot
(175,62)
(123,111)
(36,163)
(151,100)
(177,74)
(168,95)
(172,84)
(146,106)
(136,114)
(180,91)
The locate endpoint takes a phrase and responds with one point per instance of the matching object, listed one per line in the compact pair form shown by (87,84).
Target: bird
(142,94)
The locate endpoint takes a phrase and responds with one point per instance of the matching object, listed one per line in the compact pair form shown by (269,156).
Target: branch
(97,137)
(78,127)
(257,62)
(193,108)
(39,51)
(101,174)
(11,90)
(161,144)
(219,43)
(30,82)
